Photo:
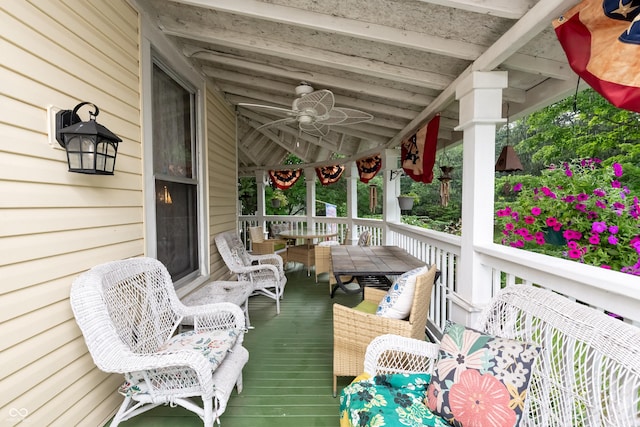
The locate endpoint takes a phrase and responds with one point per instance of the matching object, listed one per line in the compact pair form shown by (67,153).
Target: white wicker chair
(128,312)
(588,372)
(265,272)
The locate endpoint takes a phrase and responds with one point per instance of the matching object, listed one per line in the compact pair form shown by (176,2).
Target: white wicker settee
(587,372)
(128,312)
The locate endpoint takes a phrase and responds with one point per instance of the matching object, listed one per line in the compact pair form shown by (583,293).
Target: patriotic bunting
(329,174)
(602,42)
(419,152)
(284,179)
(368,167)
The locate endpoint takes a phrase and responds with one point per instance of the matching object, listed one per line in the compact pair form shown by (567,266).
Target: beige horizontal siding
(223,188)
(55,224)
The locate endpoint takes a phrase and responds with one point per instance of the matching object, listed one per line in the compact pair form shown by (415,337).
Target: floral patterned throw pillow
(479,379)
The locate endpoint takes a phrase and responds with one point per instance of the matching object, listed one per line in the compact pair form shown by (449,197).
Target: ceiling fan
(314,111)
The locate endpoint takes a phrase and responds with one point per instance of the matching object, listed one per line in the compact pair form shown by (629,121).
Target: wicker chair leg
(335,386)
(208,413)
(239,384)
(124,407)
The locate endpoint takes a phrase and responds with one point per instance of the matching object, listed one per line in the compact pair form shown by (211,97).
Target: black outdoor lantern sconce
(91,148)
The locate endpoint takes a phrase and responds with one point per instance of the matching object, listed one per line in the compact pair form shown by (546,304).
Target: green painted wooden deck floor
(287,381)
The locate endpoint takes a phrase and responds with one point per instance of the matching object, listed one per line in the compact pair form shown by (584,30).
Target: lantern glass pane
(75,161)
(109,164)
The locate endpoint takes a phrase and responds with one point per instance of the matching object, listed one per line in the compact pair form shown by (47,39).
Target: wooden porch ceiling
(399,60)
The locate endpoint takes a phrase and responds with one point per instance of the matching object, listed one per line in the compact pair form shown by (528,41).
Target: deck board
(287,381)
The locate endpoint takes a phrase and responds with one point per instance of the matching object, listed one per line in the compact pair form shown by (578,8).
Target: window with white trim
(175,174)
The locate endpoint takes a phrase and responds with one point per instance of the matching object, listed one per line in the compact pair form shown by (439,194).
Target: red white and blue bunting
(419,152)
(284,179)
(601,40)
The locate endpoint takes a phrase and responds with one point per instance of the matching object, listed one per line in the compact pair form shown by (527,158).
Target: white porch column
(310,181)
(480,96)
(352,177)
(391,189)
(261,183)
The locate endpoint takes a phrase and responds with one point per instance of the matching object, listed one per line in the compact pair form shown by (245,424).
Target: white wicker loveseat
(128,313)
(586,374)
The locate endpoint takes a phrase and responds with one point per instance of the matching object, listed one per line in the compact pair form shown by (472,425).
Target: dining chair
(322,256)
(262,246)
(354,328)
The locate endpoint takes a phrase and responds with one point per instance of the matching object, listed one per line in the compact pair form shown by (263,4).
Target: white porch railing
(611,292)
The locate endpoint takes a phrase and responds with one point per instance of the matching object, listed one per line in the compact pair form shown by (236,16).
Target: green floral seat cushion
(214,345)
(388,400)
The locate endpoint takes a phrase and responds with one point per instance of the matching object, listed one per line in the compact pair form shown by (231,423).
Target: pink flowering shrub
(583,203)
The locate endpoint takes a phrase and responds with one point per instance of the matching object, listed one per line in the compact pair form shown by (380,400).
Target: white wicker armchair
(588,371)
(265,272)
(128,313)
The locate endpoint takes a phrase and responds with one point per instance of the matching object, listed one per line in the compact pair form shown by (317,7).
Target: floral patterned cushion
(396,304)
(387,400)
(214,345)
(495,371)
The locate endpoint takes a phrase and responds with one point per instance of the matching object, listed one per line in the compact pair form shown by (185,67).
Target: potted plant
(407,200)
(278,199)
(579,210)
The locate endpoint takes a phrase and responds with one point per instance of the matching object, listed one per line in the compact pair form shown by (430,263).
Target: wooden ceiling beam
(348,27)
(384,34)
(305,54)
(510,9)
(316,79)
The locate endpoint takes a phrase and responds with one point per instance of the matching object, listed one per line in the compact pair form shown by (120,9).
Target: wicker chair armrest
(222,315)
(396,354)
(268,259)
(358,327)
(249,269)
(262,268)
(373,294)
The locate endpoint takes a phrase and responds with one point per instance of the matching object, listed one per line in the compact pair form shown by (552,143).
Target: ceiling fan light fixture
(313,110)
(305,118)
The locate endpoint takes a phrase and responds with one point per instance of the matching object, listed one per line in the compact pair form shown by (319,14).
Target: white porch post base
(480,97)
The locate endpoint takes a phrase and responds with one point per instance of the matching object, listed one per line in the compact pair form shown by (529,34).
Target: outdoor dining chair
(262,246)
(354,328)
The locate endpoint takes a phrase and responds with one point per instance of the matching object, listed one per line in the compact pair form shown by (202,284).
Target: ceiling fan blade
(314,128)
(276,123)
(317,103)
(335,116)
(353,116)
(268,108)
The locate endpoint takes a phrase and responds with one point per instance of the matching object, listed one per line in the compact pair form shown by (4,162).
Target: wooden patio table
(368,264)
(305,253)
